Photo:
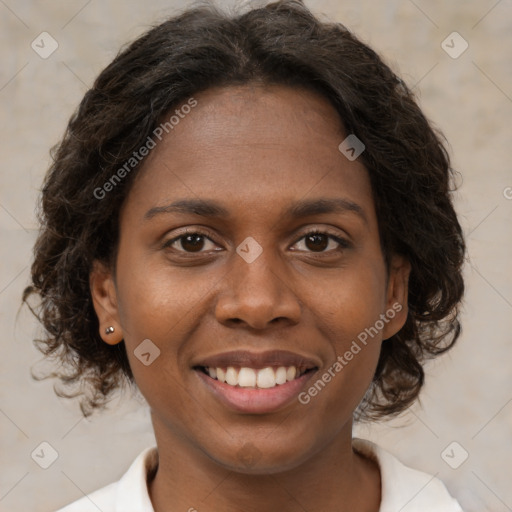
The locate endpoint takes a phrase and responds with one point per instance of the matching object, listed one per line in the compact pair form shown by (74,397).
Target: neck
(334,479)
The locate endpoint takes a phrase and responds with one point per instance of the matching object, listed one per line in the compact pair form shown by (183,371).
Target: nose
(258,294)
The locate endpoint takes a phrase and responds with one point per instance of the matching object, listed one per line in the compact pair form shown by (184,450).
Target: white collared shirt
(402,488)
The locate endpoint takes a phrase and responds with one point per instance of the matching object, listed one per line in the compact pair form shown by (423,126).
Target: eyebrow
(299,209)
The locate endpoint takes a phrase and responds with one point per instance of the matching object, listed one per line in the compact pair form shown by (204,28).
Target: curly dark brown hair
(203,47)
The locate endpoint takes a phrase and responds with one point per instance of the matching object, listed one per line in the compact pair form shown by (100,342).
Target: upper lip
(245,358)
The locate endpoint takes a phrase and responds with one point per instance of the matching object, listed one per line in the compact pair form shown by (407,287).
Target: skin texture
(255,151)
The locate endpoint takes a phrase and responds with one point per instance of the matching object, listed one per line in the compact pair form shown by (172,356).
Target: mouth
(256,383)
(246,377)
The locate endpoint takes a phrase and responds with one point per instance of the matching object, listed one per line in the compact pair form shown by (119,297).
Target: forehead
(256,146)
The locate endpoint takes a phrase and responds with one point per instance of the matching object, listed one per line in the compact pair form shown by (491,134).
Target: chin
(258,458)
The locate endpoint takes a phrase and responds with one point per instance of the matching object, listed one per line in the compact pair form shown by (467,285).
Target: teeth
(247,378)
(281,375)
(251,378)
(291,372)
(231,376)
(266,378)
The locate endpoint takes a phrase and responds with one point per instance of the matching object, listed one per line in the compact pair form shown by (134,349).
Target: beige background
(468,397)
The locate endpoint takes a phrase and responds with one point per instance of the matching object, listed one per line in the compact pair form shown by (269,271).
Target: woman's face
(218,269)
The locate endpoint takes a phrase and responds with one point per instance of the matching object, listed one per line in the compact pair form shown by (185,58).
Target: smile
(255,383)
(264,378)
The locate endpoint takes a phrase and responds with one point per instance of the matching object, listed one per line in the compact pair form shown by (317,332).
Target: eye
(190,241)
(319,241)
(194,241)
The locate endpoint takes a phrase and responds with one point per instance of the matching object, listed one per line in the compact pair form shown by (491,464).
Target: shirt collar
(132,491)
(402,488)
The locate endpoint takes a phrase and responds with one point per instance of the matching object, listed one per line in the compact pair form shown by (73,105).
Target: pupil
(194,241)
(315,239)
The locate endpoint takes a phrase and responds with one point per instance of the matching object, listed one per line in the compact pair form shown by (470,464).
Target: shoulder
(404,488)
(128,492)
(102,499)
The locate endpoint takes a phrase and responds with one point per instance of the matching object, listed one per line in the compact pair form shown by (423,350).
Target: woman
(249,218)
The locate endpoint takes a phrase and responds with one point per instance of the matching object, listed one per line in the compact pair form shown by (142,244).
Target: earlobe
(104,298)
(397,295)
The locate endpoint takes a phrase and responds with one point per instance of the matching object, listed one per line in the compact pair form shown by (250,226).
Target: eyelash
(344,244)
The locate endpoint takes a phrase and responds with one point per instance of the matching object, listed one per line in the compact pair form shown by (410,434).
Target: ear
(397,295)
(104,298)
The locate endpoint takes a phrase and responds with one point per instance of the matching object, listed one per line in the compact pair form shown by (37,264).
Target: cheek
(154,298)
(162,304)
(347,312)
(154,307)
(352,300)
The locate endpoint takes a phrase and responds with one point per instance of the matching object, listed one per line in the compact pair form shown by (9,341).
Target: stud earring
(109,330)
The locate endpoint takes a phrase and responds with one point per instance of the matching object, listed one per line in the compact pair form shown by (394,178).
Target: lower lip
(256,400)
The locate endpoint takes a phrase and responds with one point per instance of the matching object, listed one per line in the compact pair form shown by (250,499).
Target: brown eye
(317,241)
(192,243)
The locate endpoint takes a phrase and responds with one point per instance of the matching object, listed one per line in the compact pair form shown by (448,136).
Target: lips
(268,359)
(256,382)
(256,370)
